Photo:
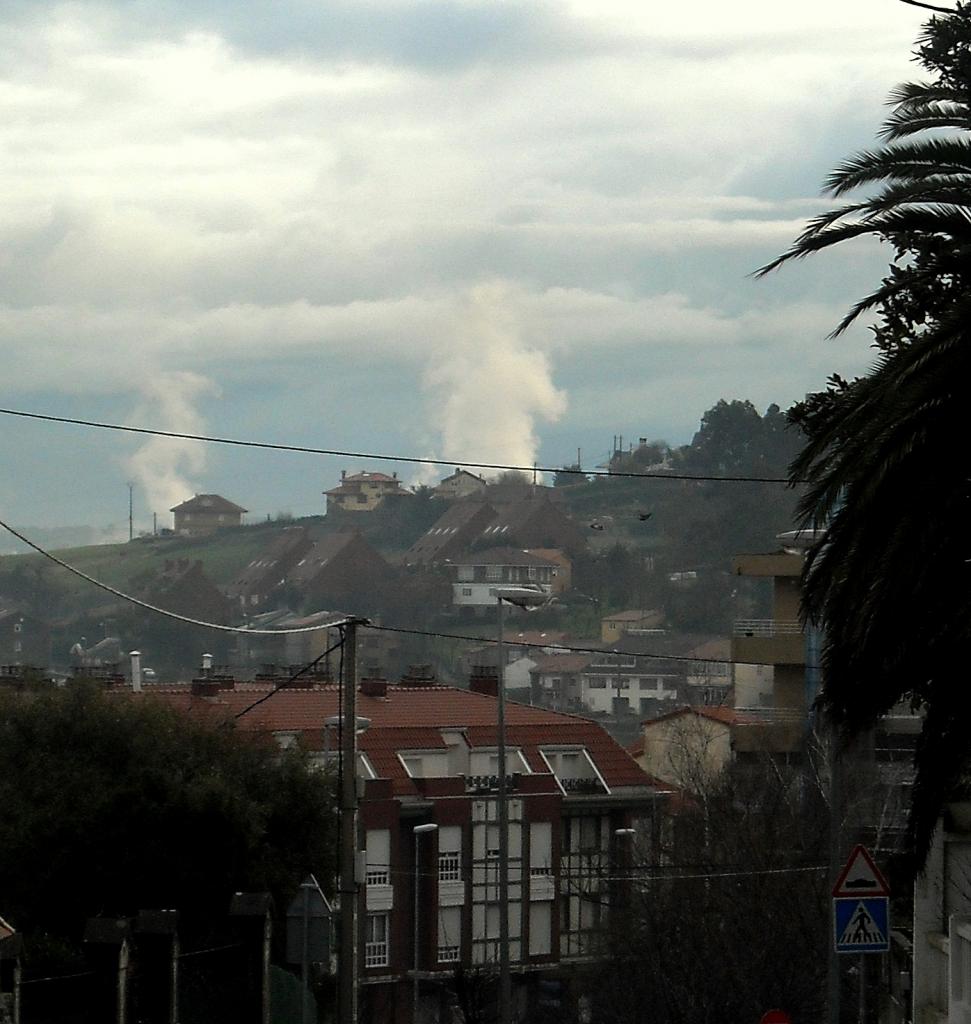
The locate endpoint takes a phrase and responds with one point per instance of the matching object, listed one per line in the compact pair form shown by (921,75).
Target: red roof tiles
(412,718)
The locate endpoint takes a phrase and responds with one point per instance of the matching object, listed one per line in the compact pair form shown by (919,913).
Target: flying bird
(644,516)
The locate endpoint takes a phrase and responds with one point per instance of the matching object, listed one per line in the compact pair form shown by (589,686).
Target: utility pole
(131,506)
(347,981)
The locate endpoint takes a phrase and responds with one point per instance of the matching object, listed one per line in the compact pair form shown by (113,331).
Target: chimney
(206,666)
(374,688)
(136,671)
(485,680)
(419,675)
(343,474)
(206,687)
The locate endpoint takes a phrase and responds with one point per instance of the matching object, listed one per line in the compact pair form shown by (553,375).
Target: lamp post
(526,597)
(419,831)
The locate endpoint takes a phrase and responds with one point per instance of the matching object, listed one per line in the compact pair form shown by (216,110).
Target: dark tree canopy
(888,470)
(112,806)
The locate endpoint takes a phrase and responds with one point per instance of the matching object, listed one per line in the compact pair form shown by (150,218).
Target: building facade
(205,514)
(363,492)
(428,757)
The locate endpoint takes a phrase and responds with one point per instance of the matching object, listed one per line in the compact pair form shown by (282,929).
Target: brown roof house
(451,534)
(184,587)
(340,571)
(363,492)
(461,484)
(527,522)
(533,522)
(206,513)
(267,572)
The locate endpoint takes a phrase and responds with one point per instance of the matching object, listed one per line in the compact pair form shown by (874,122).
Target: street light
(419,831)
(529,598)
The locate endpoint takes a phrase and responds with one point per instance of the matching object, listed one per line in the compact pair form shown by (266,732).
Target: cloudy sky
(479,230)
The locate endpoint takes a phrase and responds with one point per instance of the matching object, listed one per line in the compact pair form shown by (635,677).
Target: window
(449,935)
(450,853)
(540,928)
(493,572)
(450,866)
(540,847)
(466,591)
(378,857)
(376,940)
(597,684)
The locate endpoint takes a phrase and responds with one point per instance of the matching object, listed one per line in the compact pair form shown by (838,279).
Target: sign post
(861,913)
(861,906)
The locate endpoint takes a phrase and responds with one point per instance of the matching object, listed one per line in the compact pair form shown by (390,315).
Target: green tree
(110,806)
(888,473)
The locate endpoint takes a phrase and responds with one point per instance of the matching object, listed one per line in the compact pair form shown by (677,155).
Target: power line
(557,646)
(381,457)
(339,621)
(296,675)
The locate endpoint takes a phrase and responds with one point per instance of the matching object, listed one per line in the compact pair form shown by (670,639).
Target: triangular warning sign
(861,876)
(861,929)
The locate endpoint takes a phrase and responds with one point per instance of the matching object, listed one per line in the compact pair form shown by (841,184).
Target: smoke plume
(168,469)
(489,388)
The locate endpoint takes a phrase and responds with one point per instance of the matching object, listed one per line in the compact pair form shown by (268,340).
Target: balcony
(768,642)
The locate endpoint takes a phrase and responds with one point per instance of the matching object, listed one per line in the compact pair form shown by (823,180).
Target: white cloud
(193,197)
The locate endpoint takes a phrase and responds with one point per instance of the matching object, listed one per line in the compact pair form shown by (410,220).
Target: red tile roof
(566,663)
(728,716)
(411,718)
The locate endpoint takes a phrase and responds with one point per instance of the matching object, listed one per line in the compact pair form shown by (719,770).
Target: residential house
(428,756)
(341,571)
(284,653)
(520,520)
(205,514)
(266,574)
(534,521)
(563,580)
(479,574)
(709,678)
(363,492)
(184,587)
(620,683)
(636,621)
(25,639)
(690,746)
(461,484)
(452,533)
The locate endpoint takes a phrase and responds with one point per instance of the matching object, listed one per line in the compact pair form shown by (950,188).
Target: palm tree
(887,466)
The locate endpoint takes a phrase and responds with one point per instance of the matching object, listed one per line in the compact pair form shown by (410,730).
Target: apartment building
(428,757)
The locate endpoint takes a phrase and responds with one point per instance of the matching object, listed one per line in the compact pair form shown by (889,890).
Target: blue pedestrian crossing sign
(861,924)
